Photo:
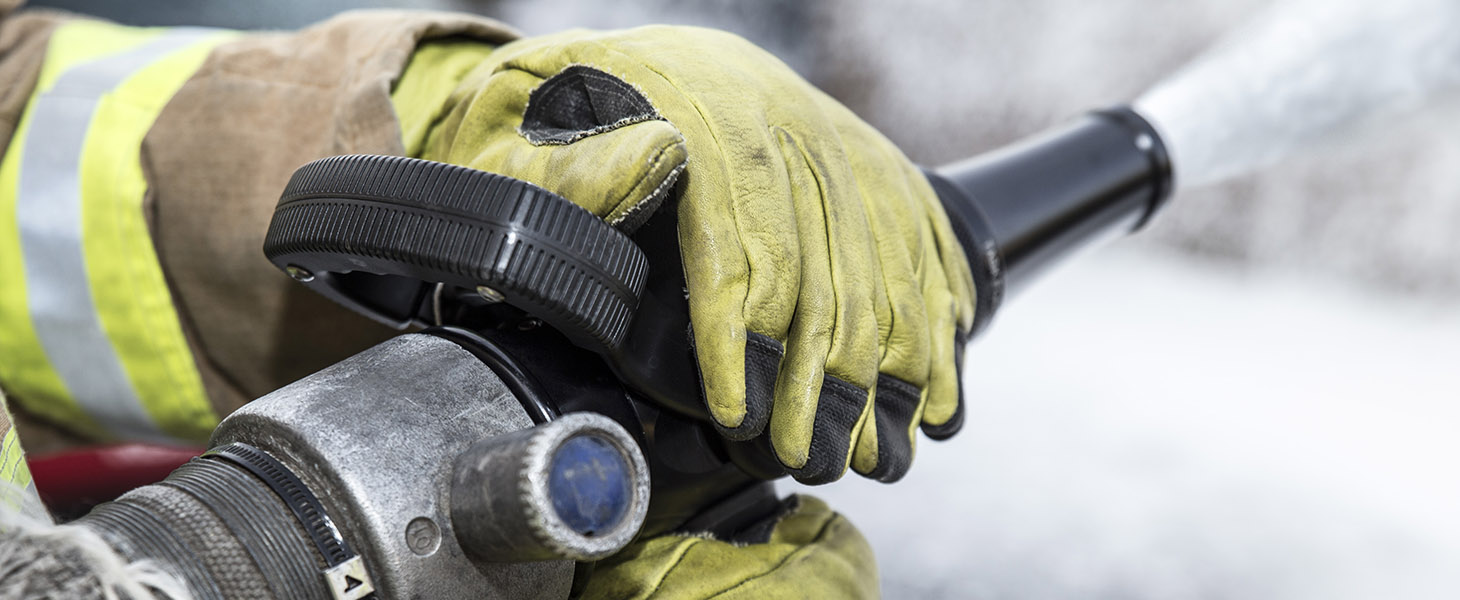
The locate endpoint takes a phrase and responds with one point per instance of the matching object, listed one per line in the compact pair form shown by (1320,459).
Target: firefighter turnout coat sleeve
(139,168)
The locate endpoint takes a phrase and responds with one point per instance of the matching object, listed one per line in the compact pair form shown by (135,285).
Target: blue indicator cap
(589,484)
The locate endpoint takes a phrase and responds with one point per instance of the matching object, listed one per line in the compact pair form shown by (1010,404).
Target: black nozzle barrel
(1024,208)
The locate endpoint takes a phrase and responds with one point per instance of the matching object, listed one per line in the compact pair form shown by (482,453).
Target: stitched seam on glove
(549,90)
(763,357)
(764,342)
(635,215)
(895,398)
(683,551)
(798,553)
(841,410)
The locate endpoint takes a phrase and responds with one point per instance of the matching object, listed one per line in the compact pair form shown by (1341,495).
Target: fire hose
(548,412)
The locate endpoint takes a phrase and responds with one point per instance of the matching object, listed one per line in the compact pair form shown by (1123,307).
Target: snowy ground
(1147,426)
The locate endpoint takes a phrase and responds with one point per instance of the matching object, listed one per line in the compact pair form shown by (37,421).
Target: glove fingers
(950,253)
(885,447)
(900,242)
(800,380)
(751,279)
(888,436)
(822,392)
(765,218)
(943,413)
(840,410)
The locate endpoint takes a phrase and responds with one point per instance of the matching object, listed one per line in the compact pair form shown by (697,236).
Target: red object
(73,481)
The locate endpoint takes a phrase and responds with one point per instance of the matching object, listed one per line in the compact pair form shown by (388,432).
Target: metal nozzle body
(1024,208)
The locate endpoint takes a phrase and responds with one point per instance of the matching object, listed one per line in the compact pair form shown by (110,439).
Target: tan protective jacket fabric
(22,49)
(215,161)
(228,141)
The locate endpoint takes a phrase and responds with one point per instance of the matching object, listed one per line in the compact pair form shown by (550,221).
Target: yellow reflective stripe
(127,283)
(158,370)
(24,367)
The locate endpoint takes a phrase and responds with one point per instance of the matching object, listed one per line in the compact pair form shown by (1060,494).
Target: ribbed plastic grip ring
(442,223)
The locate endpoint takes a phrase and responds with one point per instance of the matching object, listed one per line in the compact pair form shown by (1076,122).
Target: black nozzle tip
(1149,142)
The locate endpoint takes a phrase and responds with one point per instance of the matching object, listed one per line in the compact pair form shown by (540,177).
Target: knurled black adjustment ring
(378,233)
(302,502)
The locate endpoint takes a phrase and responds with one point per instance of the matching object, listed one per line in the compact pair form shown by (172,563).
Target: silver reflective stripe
(48,208)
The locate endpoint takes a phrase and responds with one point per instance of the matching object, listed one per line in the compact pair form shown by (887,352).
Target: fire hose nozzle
(1023,208)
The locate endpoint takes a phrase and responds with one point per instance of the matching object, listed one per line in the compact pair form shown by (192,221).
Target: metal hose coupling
(410,470)
(1023,208)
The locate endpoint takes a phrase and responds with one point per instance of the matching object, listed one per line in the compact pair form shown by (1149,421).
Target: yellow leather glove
(826,289)
(810,552)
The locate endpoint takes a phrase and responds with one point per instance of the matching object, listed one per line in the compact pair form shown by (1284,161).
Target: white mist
(1302,72)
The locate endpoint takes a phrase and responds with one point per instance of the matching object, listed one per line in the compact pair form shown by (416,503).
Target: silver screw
(423,536)
(489,294)
(299,273)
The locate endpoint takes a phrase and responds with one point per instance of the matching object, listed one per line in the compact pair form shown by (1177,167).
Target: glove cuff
(420,96)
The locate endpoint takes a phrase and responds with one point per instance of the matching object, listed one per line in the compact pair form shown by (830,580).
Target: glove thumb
(582,133)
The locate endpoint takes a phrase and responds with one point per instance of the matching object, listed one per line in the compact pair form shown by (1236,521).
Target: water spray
(1299,74)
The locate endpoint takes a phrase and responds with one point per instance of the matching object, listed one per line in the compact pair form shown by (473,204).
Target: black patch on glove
(581,101)
(955,422)
(762,362)
(760,532)
(837,412)
(896,405)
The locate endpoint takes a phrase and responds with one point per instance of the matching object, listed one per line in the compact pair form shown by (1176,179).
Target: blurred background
(1254,398)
